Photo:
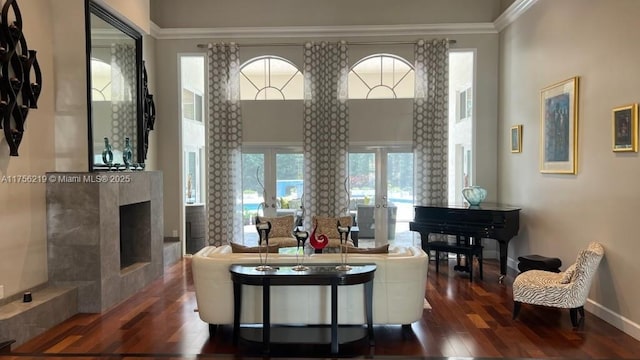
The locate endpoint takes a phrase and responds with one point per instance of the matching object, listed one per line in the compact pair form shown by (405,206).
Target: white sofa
(398,289)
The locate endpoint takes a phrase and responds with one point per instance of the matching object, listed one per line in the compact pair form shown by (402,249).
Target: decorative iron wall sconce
(148,109)
(18,92)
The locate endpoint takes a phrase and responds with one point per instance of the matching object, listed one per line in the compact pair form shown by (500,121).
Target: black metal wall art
(18,91)
(148,110)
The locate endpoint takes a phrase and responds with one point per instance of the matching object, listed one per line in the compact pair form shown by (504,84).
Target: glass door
(272,185)
(381,190)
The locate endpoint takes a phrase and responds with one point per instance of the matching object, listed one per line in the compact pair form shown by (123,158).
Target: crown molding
(321,31)
(513,12)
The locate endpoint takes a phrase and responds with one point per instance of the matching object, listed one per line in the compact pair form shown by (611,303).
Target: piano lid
(483,206)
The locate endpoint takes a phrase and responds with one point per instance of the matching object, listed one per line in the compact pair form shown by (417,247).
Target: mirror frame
(92,7)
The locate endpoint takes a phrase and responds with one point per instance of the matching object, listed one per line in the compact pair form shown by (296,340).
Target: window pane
(357,89)
(198,107)
(270,78)
(294,90)
(392,72)
(187,104)
(381,92)
(406,87)
(400,194)
(290,184)
(461,65)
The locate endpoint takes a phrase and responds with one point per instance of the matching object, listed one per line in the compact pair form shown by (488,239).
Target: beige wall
(134,12)
(55,137)
(251,13)
(23,246)
(552,41)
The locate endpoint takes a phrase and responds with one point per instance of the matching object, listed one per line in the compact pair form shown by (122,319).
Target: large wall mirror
(114,81)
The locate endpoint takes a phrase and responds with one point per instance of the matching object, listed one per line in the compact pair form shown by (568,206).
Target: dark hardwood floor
(471,320)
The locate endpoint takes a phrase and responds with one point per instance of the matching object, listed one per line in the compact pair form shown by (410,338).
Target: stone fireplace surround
(84,229)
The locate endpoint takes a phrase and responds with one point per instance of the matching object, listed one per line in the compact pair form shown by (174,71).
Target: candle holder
(263,231)
(301,237)
(344,249)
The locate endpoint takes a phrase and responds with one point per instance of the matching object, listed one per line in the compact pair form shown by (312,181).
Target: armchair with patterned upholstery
(281,233)
(328,225)
(567,290)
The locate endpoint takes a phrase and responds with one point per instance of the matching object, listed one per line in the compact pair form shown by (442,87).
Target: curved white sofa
(398,289)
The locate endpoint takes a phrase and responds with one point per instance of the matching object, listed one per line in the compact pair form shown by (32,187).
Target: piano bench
(469,251)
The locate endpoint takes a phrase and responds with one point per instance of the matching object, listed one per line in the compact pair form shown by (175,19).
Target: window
(461,83)
(464,104)
(270,78)
(100,80)
(381,76)
(191,105)
(193,161)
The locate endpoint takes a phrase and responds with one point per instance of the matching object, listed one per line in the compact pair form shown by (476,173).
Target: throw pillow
(238,248)
(384,249)
(329,225)
(281,226)
(567,276)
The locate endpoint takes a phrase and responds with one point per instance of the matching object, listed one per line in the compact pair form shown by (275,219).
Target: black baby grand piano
(491,221)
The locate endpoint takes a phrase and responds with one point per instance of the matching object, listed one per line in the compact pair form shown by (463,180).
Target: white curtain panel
(224,140)
(430,121)
(326,129)
(123,98)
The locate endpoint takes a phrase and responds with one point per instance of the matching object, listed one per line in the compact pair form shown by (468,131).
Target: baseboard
(620,322)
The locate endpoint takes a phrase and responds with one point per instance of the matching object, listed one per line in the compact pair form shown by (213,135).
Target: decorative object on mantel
(127,154)
(107,154)
(474,195)
(148,109)
(17,61)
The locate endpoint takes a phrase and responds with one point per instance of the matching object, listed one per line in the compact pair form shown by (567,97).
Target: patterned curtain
(326,129)
(123,97)
(224,193)
(430,122)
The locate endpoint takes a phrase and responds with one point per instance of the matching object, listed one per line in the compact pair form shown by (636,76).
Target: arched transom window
(381,76)
(270,78)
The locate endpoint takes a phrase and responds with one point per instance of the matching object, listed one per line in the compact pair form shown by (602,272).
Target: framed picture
(625,128)
(559,127)
(516,139)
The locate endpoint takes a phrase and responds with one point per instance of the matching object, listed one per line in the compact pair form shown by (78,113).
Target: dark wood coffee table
(318,274)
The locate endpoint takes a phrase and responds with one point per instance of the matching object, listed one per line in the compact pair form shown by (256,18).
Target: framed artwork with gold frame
(624,123)
(516,138)
(559,127)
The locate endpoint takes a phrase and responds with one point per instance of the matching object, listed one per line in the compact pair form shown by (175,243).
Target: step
(172,251)
(50,306)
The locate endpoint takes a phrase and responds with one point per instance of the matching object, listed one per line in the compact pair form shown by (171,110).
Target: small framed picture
(625,128)
(516,139)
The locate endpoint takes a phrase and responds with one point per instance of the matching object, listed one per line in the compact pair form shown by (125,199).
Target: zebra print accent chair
(567,290)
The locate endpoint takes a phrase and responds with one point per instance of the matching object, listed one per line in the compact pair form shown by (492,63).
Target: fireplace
(135,234)
(105,238)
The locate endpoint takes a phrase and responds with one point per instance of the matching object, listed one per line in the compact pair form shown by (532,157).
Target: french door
(381,191)
(272,184)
